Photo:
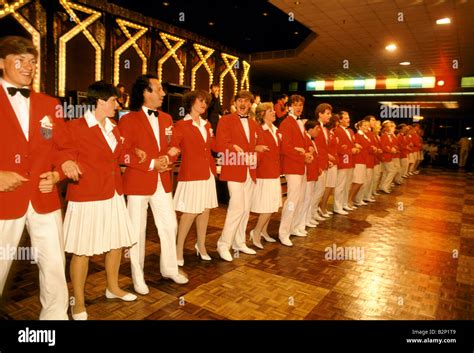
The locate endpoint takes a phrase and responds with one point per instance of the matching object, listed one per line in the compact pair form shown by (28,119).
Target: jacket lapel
(146,124)
(9,112)
(240,127)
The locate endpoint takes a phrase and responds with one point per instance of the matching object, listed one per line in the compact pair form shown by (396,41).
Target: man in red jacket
(237,146)
(149,183)
(30,123)
(295,156)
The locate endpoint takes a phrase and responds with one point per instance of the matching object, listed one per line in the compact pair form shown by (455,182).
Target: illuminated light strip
(467,81)
(132,41)
(245,77)
(229,66)
(393,94)
(80,28)
(171,53)
(366,84)
(35,34)
(11,8)
(203,61)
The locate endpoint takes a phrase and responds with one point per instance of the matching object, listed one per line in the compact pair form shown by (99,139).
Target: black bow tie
(243,116)
(25,92)
(154,112)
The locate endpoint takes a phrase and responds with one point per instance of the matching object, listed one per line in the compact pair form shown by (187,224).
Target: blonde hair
(260,111)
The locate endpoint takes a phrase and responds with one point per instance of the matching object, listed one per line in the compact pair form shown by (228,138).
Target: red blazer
(332,146)
(268,162)
(100,168)
(292,162)
(136,129)
(387,142)
(416,141)
(29,158)
(312,173)
(344,148)
(196,157)
(363,156)
(230,132)
(378,156)
(322,145)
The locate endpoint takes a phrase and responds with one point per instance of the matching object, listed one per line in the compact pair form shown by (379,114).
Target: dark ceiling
(247,25)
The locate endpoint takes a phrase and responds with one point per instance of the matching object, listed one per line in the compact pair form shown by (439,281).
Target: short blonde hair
(260,111)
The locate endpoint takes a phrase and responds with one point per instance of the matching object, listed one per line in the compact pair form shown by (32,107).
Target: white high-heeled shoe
(80,316)
(198,253)
(252,238)
(129,297)
(180,263)
(267,238)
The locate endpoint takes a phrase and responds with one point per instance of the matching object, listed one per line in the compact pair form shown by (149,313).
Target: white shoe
(245,249)
(179,278)
(79,317)
(416,172)
(370,200)
(180,263)
(376,193)
(362,203)
(323,214)
(225,254)
(348,208)
(252,238)
(312,224)
(198,253)
(267,238)
(141,288)
(341,212)
(286,242)
(317,217)
(129,297)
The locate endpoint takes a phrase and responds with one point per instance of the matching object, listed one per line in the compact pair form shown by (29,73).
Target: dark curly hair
(141,84)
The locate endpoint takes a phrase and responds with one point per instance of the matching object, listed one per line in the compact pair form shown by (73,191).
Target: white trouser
(318,193)
(365,191)
(47,250)
(161,203)
(404,165)
(296,188)
(343,185)
(376,178)
(305,215)
(238,212)
(398,168)
(388,174)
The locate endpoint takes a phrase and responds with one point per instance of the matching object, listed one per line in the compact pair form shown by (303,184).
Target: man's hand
(174,151)
(358,146)
(161,164)
(300,150)
(47,182)
(331,157)
(237,148)
(141,155)
(308,157)
(261,148)
(355,150)
(9,181)
(71,170)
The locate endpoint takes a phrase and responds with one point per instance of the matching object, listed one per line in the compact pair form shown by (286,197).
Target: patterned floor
(416,261)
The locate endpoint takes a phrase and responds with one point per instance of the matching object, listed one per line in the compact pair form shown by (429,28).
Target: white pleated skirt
(331,177)
(96,227)
(360,174)
(267,196)
(195,196)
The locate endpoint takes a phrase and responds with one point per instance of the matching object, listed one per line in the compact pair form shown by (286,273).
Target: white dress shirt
(299,122)
(347,133)
(245,125)
(155,124)
(21,107)
(106,130)
(273,131)
(201,125)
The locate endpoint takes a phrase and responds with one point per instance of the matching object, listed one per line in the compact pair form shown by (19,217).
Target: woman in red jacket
(196,191)
(361,160)
(267,194)
(96,220)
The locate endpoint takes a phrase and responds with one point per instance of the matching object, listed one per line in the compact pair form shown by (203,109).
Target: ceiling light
(443,21)
(296,33)
(468,128)
(211,23)
(391,47)
(166,3)
(440,83)
(297,2)
(265,14)
(404,63)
